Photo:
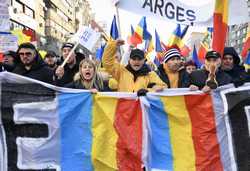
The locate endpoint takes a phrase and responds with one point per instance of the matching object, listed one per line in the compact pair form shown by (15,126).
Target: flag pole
(120,49)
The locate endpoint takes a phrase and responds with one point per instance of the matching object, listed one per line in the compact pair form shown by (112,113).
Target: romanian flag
(105,133)
(158,47)
(141,33)
(114,29)
(183,134)
(176,37)
(195,58)
(204,47)
(246,46)
(130,35)
(22,38)
(220,25)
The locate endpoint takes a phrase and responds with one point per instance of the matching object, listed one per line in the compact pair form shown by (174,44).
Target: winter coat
(128,80)
(199,78)
(68,76)
(39,71)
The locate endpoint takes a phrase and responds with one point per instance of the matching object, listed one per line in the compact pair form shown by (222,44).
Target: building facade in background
(49,22)
(237,33)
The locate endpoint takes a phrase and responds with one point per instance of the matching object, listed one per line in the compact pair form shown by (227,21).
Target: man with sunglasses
(31,64)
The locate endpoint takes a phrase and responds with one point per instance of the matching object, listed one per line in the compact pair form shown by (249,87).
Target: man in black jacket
(65,75)
(200,79)
(231,65)
(31,64)
(170,72)
(9,61)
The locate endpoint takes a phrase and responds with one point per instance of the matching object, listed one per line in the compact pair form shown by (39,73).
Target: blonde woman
(88,77)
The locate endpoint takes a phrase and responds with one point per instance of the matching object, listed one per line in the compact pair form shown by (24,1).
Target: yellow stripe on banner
(104,134)
(180,133)
(221,7)
(175,40)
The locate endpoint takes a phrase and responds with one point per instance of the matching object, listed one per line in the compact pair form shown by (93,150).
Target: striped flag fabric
(141,33)
(246,46)
(220,20)
(195,58)
(43,127)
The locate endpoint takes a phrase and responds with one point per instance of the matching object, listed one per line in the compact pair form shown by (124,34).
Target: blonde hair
(96,81)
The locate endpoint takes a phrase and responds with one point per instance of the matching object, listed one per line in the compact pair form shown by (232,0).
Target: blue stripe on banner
(76,138)
(221,130)
(160,149)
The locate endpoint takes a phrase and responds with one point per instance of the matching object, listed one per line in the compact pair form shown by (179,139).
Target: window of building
(28,11)
(18,7)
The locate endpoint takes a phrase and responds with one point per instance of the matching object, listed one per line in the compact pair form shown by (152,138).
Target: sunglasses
(26,54)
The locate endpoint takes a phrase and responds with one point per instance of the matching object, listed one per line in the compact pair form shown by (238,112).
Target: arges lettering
(170,10)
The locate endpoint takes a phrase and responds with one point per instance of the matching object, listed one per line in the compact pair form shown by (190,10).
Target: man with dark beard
(31,64)
(170,70)
(50,60)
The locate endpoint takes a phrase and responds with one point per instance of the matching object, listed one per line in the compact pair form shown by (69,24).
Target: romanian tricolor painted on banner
(183,134)
(105,133)
(220,25)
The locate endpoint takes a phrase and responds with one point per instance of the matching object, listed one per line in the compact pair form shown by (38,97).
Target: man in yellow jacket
(133,77)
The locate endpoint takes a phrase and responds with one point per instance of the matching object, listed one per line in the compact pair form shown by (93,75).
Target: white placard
(8,42)
(88,37)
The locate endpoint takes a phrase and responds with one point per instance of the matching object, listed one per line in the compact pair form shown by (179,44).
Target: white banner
(8,42)
(88,38)
(184,12)
(4,16)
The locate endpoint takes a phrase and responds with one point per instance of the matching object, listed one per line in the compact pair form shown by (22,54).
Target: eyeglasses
(26,54)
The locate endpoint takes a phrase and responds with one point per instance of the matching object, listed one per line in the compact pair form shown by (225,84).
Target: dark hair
(190,62)
(26,46)
(50,53)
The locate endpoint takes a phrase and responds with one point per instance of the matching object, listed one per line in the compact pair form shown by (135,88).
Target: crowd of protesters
(136,75)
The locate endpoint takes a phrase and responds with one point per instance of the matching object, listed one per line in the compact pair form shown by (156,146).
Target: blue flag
(114,29)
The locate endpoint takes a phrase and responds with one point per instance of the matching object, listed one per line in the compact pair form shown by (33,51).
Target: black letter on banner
(191,15)
(237,104)
(159,6)
(21,93)
(171,12)
(150,4)
(179,14)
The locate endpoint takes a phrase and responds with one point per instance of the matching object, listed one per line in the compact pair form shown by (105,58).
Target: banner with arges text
(189,12)
(51,128)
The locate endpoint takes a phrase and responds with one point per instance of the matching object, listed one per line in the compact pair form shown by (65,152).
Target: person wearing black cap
(50,60)
(211,75)
(231,65)
(9,61)
(136,75)
(31,64)
(170,70)
(65,75)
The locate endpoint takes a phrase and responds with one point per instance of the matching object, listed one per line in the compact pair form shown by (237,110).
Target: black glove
(142,92)
(238,82)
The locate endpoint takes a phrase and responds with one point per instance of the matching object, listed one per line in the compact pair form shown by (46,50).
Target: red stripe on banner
(219,34)
(205,140)
(128,124)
